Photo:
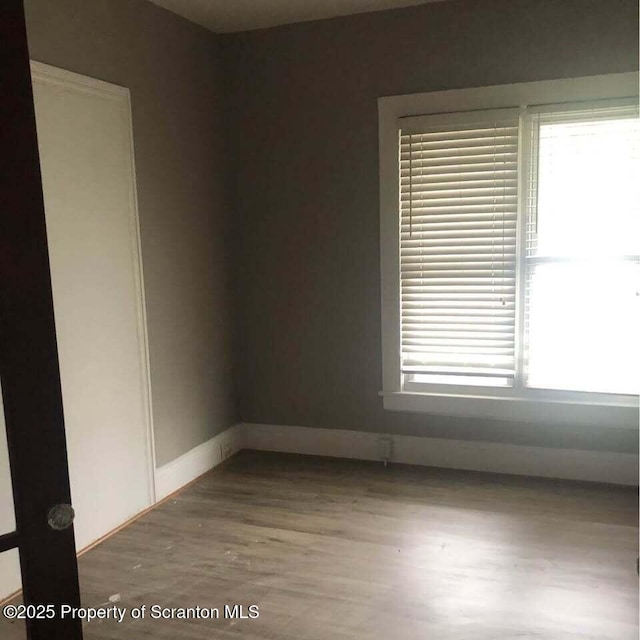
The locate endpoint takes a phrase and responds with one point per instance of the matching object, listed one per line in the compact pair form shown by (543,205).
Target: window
(510,222)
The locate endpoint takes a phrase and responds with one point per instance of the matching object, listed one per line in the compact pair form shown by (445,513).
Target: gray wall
(301,251)
(172,68)
(303,132)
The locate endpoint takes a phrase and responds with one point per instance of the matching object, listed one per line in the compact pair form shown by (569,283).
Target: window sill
(621,413)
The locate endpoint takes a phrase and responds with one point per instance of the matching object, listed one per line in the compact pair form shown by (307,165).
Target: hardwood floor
(335,549)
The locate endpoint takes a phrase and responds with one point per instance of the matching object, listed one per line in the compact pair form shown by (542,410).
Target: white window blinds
(458,219)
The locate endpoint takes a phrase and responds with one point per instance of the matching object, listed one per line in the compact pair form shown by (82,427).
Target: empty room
(319,319)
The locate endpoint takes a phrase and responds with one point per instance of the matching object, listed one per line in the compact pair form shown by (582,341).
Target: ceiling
(227,16)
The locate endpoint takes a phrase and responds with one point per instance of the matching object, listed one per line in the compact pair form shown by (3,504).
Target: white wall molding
(176,474)
(568,464)
(494,457)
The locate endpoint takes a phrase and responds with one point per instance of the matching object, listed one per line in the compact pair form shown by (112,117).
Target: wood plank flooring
(335,549)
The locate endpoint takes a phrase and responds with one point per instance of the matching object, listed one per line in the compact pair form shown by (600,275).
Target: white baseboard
(495,457)
(569,464)
(175,474)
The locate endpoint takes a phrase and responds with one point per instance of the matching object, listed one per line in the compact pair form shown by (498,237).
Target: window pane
(583,240)
(588,200)
(584,320)
(472,381)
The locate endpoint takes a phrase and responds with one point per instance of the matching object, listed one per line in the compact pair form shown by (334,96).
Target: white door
(86,156)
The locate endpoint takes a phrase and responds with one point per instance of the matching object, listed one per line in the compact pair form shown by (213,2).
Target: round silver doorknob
(61,516)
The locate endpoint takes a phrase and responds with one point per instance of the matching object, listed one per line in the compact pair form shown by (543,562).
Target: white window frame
(523,404)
